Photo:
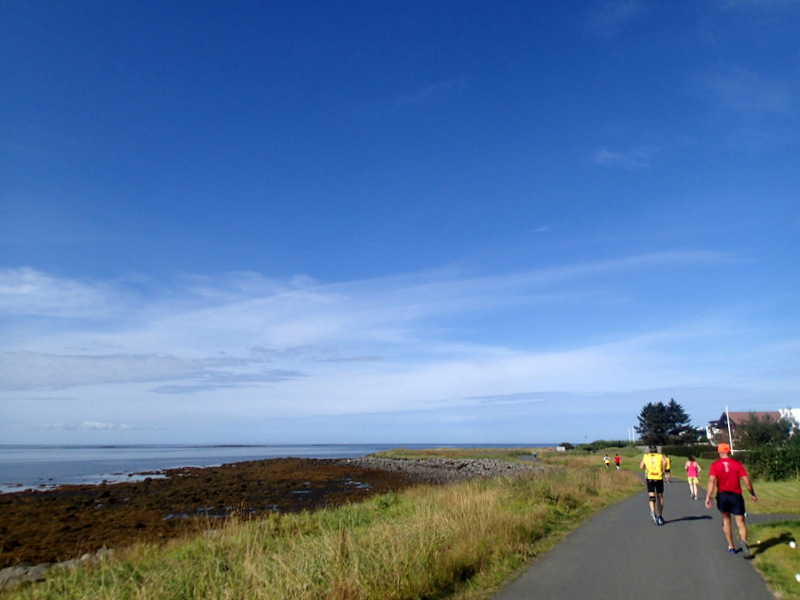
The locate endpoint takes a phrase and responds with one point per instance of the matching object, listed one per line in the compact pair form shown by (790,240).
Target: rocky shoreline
(70,524)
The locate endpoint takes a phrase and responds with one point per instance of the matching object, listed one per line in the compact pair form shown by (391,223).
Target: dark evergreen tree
(653,424)
(664,424)
(680,427)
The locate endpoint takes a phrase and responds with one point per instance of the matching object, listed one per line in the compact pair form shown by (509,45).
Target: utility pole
(730,437)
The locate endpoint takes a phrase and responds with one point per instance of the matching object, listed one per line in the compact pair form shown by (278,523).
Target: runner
(725,474)
(617,460)
(668,468)
(654,465)
(606,461)
(692,468)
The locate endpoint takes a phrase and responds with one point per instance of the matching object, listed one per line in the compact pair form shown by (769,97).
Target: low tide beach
(53,525)
(64,523)
(46,466)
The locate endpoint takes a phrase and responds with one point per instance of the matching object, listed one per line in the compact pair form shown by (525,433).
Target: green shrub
(774,463)
(697,450)
(598,445)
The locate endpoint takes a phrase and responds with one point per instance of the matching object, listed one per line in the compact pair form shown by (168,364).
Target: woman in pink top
(692,475)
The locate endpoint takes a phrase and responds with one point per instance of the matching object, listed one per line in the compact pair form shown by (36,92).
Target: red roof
(743,417)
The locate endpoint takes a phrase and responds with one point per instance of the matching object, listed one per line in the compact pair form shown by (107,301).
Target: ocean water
(41,467)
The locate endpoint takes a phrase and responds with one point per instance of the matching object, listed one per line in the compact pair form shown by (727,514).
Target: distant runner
(725,474)
(654,465)
(692,468)
(667,468)
(606,461)
(617,460)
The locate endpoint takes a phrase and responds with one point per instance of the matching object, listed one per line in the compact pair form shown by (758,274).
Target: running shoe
(654,517)
(746,551)
(732,550)
(660,521)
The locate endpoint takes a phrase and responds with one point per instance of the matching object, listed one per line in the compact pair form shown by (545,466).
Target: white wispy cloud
(431,94)
(629,160)
(28,292)
(266,331)
(756,4)
(87,426)
(245,348)
(609,18)
(742,89)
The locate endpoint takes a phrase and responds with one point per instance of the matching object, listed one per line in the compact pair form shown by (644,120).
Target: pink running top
(691,469)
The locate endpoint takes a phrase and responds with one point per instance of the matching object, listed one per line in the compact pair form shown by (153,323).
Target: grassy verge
(775,559)
(776,498)
(453,541)
(511,454)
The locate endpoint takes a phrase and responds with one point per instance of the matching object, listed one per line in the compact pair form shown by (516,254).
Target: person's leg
(741,525)
(726,528)
(660,504)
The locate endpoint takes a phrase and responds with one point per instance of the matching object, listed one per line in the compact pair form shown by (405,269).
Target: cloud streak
(628,160)
(610,18)
(243,346)
(744,90)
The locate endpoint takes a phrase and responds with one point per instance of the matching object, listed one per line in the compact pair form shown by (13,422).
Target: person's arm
(712,483)
(749,485)
(641,464)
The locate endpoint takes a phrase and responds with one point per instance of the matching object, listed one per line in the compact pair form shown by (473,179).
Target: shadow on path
(692,518)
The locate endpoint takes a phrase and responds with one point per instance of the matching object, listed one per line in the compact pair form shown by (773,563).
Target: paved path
(621,554)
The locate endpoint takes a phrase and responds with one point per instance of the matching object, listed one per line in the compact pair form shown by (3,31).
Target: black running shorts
(730,502)
(655,486)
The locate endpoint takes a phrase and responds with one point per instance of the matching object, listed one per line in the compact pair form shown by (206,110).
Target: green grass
(511,454)
(459,541)
(775,559)
(775,497)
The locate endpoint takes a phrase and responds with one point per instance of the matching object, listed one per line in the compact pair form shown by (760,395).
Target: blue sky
(429,222)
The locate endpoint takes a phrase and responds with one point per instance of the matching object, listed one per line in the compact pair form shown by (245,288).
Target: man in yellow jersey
(654,465)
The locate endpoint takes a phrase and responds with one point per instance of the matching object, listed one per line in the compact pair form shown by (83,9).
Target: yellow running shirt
(653,466)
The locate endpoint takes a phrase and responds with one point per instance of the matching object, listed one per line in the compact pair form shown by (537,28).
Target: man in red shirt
(725,474)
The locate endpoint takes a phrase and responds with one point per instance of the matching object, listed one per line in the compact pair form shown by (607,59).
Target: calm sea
(29,466)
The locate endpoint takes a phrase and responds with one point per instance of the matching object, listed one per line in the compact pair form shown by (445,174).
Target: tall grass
(453,541)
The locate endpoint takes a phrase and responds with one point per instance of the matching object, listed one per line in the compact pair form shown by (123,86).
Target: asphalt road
(621,554)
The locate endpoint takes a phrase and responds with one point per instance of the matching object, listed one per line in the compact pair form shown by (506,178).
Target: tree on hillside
(766,431)
(664,424)
(681,430)
(652,428)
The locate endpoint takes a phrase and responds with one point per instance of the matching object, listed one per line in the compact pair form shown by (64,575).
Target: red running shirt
(728,473)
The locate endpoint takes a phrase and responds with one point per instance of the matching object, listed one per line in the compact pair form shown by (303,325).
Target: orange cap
(723,448)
